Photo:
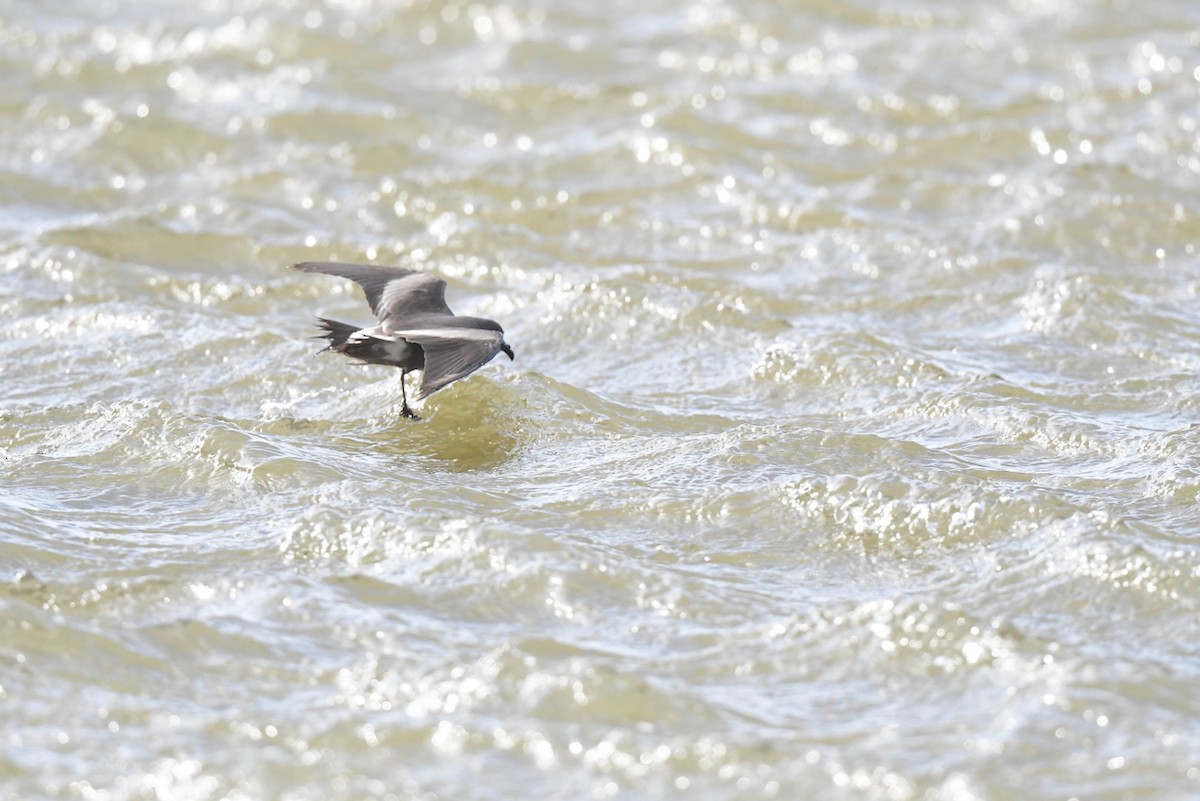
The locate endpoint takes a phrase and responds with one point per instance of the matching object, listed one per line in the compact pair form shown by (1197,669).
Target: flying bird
(415,329)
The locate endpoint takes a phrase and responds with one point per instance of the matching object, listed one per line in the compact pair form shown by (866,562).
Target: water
(849,451)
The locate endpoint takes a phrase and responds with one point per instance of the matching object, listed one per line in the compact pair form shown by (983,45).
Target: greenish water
(849,451)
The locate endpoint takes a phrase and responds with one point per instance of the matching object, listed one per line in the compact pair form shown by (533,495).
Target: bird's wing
(390,291)
(451,353)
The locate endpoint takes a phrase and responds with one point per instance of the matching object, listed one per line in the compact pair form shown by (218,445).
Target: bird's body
(415,329)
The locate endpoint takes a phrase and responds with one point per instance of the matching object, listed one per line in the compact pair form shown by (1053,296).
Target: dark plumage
(415,330)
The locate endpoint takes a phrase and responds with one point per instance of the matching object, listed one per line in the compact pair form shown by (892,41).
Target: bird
(414,330)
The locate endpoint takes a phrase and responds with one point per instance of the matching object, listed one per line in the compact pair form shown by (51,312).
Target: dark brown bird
(416,329)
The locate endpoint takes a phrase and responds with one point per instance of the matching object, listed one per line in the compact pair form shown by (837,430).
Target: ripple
(848,450)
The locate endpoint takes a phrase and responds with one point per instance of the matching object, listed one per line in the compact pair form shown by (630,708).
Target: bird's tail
(337,333)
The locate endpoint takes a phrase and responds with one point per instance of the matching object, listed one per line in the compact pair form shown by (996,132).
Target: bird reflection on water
(472,433)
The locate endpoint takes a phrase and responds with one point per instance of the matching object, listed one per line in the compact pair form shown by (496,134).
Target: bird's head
(509,351)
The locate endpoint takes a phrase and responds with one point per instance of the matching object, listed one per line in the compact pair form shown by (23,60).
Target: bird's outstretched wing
(451,353)
(391,291)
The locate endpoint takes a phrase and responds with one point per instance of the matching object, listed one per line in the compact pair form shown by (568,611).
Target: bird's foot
(409,413)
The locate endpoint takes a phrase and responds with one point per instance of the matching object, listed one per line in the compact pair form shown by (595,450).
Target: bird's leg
(404,410)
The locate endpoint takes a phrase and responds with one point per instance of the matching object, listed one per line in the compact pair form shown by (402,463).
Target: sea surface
(851,449)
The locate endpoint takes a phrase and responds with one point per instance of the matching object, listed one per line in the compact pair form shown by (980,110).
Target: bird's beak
(504,347)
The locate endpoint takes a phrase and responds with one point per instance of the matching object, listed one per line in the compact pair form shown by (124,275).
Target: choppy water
(850,451)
